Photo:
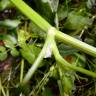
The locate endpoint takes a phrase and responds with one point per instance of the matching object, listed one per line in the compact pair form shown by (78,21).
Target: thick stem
(64,64)
(35,65)
(44,25)
(46,47)
(31,14)
(76,43)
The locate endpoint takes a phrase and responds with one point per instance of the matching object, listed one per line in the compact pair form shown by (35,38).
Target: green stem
(76,43)
(44,25)
(46,47)
(64,64)
(60,88)
(2,88)
(22,70)
(31,14)
(34,66)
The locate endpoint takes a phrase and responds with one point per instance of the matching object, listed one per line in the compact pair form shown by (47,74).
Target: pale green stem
(2,88)
(64,64)
(22,70)
(35,65)
(31,14)
(44,25)
(60,88)
(46,46)
(76,43)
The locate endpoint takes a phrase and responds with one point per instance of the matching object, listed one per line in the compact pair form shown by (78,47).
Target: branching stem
(52,33)
(45,26)
(41,56)
(64,64)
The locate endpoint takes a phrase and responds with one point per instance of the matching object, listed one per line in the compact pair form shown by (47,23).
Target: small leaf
(62,12)
(5,4)
(30,52)
(67,84)
(79,60)
(10,41)
(53,5)
(3,53)
(47,92)
(14,52)
(36,31)
(22,36)
(47,8)
(66,50)
(9,23)
(90,3)
(77,21)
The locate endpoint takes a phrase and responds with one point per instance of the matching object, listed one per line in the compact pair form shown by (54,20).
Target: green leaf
(62,12)
(47,92)
(14,52)
(77,21)
(67,81)
(47,8)
(66,50)
(90,3)
(67,84)
(10,41)
(79,60)
(9,23)
(30,52)
(5,4)
(53,4)
(3,53)
(36,31)
(22,36)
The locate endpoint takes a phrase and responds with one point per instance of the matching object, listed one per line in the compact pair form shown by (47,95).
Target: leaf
(47,92)
(22,37)
(90,3)
(5,4)
(47,8)
(36,31)
(62,12)
(30,52)
(9,41)
(3,53)
(14,52)
(77,21)
(53,4)
(67,84)
(66,50)
(67,81)
(9,23)
(79,60)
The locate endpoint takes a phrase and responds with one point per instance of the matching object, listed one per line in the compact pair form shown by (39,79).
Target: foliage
(24,47)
